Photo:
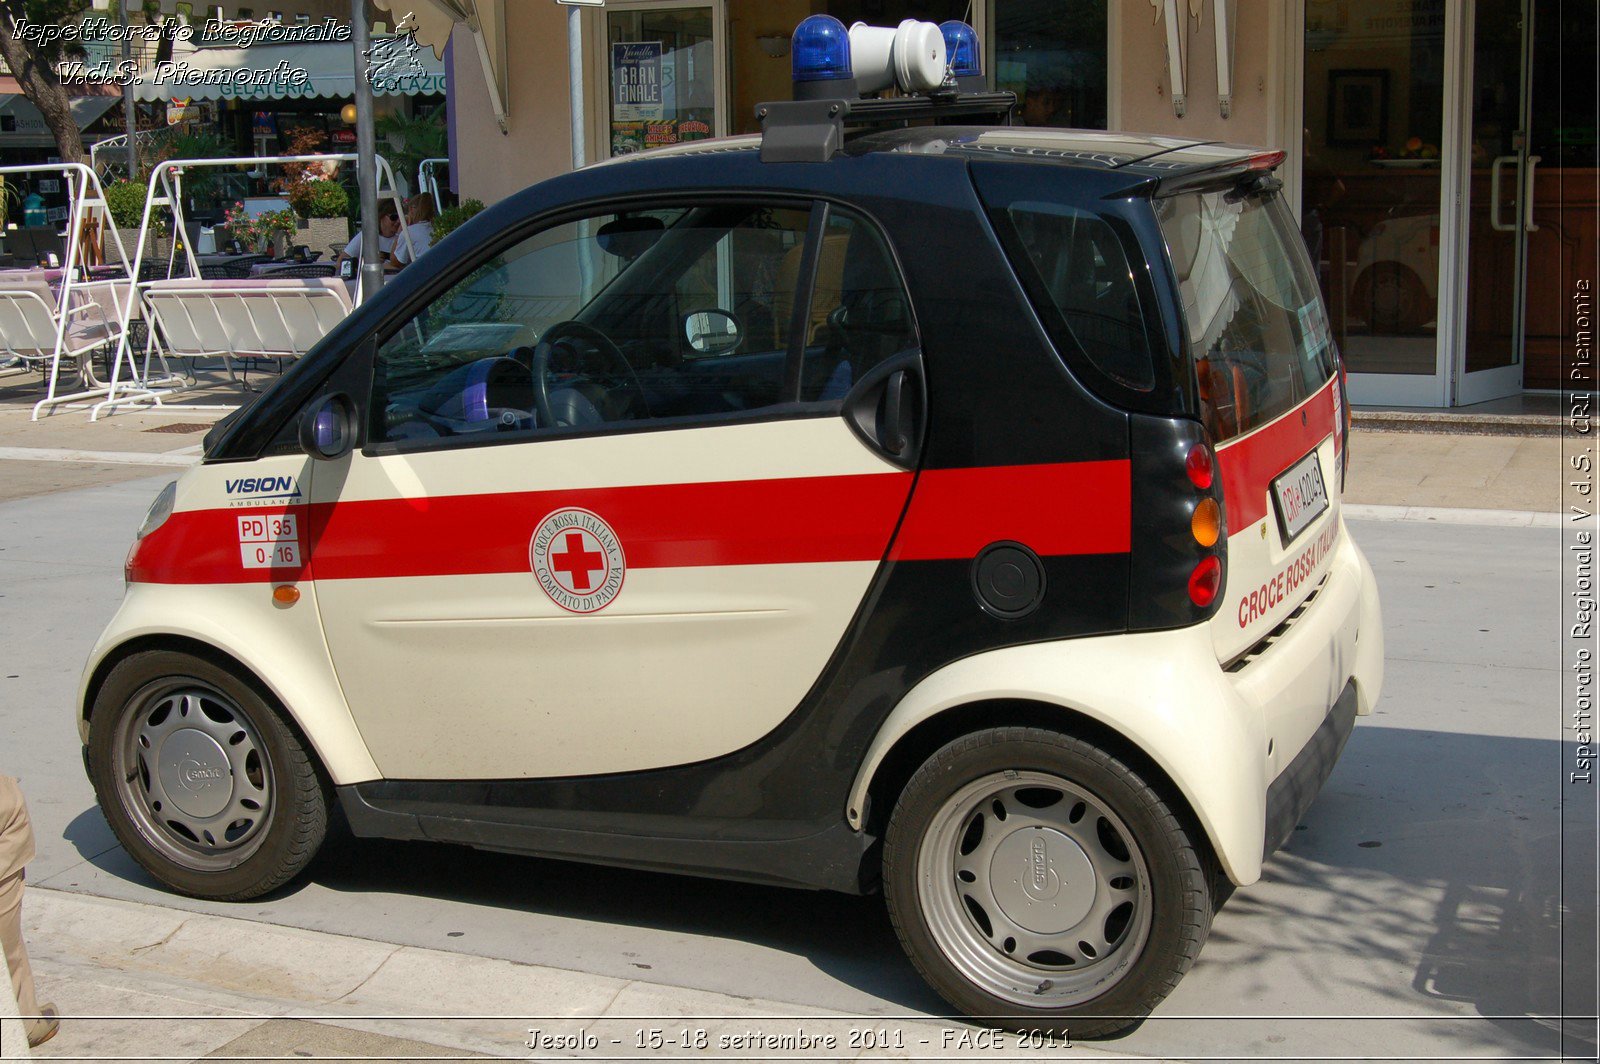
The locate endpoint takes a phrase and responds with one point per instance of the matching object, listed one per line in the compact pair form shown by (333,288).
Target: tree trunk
(43,89)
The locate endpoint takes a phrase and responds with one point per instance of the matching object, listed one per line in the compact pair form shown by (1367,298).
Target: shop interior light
(820,49)
(961,49)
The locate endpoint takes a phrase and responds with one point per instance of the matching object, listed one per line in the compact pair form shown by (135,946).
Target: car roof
(1142,154)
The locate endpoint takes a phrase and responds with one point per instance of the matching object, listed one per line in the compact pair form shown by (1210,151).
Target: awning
(21,124)
(485,23)
(286,72)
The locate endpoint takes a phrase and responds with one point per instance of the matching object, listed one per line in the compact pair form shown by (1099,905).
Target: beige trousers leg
(16,951)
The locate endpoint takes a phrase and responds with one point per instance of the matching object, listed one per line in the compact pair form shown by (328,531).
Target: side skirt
(834,858)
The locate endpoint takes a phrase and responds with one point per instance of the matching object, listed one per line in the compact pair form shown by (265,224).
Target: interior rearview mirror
(629,237)
(327,427)
(711,332)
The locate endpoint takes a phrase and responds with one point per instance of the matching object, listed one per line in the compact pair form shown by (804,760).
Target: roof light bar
(831,62)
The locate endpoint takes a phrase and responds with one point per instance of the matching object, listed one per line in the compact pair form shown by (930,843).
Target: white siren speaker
(911,56)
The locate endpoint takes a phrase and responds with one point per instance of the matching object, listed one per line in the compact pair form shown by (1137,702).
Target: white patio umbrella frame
(84,196)
(166,191)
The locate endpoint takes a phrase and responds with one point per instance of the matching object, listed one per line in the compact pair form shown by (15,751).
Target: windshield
(1257,330)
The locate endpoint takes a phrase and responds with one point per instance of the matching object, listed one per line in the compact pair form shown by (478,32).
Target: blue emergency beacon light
(936,73)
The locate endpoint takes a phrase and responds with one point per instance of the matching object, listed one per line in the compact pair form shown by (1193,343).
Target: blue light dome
(821,50)
(961,49)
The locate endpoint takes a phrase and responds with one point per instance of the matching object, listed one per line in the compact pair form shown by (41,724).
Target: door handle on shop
(1527,197)
(1494,195)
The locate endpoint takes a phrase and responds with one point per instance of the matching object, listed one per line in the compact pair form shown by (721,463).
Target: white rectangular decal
(269,541)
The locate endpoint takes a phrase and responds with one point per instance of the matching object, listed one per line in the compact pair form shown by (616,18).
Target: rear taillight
(1205,581)
(1199,466)
(1180,525)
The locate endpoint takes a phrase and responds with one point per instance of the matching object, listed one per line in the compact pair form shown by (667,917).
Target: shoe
(45,1027)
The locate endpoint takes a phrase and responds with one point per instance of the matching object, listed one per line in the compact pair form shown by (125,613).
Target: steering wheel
(552,338)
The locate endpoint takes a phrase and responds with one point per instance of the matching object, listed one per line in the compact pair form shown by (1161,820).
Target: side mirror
(327,427)
(712,332)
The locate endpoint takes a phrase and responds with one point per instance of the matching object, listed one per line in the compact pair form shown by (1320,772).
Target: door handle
(893,432)
(1494,195)
(885,409)
(1527,197)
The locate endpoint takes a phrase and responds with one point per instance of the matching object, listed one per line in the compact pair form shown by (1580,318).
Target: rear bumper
(1291,794)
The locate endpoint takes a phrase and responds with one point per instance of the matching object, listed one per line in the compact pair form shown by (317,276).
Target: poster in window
(636,82)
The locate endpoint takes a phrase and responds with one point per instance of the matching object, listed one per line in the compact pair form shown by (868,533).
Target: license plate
(1300,496)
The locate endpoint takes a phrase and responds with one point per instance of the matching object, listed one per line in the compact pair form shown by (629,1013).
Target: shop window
(1052,54)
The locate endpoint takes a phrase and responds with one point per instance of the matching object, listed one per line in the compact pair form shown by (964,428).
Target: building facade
(1441,153)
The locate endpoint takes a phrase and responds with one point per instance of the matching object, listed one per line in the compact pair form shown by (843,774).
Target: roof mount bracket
(812,131)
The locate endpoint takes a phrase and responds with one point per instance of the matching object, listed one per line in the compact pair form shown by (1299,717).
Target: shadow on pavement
(1428,872)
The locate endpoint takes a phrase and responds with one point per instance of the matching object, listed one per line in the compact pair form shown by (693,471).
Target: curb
(1454,516)
(241,974)
(1457,424)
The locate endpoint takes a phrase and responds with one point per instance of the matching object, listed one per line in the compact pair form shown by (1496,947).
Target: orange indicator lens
(1206,524)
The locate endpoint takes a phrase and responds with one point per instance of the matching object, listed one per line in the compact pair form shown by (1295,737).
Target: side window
(859,315)
(608,321)
(1078,264)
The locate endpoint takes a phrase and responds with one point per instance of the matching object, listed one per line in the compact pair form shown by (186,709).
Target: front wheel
(202,781)
(1038,882)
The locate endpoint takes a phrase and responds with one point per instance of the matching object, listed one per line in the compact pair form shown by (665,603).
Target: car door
(622,489)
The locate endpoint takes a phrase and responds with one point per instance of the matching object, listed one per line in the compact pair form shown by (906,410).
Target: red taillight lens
(1205,582)
(1198,466)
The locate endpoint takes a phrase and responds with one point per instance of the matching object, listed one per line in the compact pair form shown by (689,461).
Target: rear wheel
(202,781)
(1038,882)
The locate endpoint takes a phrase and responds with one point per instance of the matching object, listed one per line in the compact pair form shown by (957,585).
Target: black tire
(272,842)
(946,940)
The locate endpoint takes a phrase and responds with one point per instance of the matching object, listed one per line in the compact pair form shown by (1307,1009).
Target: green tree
(34,66)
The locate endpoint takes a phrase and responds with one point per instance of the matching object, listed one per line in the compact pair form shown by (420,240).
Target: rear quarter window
(1079,272)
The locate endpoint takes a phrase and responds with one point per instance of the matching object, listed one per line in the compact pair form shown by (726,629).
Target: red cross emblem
(577,559)
(575,562)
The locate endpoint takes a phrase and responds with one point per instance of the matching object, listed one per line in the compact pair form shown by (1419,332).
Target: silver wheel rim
(193,773)
(1034,889)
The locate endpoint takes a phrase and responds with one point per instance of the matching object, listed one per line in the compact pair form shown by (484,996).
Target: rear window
(1257,330)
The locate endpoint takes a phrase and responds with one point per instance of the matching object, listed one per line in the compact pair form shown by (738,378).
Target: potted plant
(451,218)
(241,227)
(322,207)
(277,227)
(125,201)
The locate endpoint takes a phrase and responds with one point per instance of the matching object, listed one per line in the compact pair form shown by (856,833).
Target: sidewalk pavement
(140,980)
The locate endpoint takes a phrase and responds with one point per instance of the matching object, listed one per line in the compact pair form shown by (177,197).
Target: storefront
(272,99)
(1441,152)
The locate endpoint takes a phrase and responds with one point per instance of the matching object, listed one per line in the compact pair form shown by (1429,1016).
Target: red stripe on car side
(1059,508)
(1072,508)
(1249,464)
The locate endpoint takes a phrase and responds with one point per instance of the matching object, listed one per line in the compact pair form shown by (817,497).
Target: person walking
(16,850)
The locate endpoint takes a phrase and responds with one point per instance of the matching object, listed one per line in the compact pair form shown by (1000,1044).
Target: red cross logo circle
(578,560)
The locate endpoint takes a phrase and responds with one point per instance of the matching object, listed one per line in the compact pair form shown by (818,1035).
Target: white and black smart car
(878,502)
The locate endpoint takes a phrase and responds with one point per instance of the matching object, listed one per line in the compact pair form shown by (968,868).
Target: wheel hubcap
(1042,880)
(1035,889)
(193,773)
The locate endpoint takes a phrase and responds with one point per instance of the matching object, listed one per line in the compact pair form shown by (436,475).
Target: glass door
(1532,209)
(1372,183)
(665,76)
